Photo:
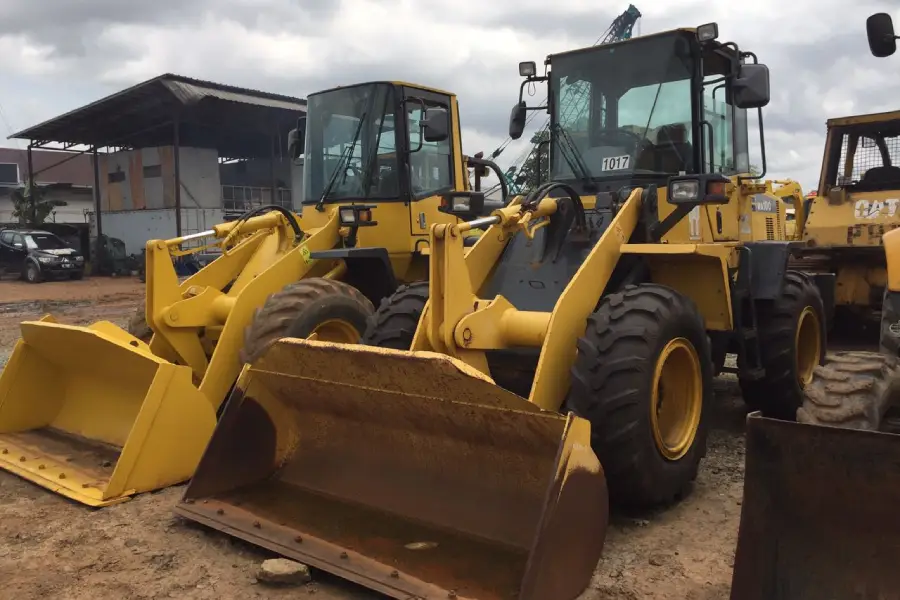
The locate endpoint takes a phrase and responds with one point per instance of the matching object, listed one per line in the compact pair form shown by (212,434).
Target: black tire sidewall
(667,472)
(338,308)
(617,399)
(299,308)
(780,393)
(30,267)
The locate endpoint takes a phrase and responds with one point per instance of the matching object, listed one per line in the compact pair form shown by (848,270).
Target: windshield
(350,145)
(44,242)
(627,108)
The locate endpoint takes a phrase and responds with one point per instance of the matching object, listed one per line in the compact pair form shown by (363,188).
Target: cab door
(432,166)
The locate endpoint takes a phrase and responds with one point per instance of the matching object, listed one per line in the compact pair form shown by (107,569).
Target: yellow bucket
(92,414)
(407,472)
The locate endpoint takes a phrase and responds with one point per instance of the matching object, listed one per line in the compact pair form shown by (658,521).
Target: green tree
(535,169)
(30,207)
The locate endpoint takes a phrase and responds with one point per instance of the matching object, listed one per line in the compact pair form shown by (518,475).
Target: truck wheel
(889,341)
(853,390)
(33,273)
(394,323)
(137,325)
(318,308)
(792,344)
(643,378)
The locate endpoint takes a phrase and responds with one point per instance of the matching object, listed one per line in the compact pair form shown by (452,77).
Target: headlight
(356,216)
(79,259)
(459,204)
(686,190)
(47,259)
(347,216)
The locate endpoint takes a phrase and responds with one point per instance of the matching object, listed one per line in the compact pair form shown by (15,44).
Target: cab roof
(417,86)
(882,117)
(628,41)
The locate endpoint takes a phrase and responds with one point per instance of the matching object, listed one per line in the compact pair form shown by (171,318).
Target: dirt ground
(54,548)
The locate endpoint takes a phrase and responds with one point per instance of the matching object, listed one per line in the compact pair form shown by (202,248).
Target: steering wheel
(635,138)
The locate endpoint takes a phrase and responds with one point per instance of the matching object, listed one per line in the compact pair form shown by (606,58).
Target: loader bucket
(92,414)
(819,515)
(406,472)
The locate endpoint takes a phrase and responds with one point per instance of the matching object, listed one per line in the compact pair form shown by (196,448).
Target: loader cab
(394,147)
(862,154)
(643,110)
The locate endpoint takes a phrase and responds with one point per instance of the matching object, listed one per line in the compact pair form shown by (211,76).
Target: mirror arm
(525,82)
(762,151)
(710,142)
(504,189)
(421,103)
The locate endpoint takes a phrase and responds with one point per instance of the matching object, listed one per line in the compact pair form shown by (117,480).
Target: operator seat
(674,153)
(880,177)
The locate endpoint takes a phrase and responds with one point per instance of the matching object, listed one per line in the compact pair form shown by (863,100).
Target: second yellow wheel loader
(466,449)
(819,515)
(98,415)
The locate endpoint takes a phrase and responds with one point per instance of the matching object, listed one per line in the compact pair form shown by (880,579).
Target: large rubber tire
(137,325)
(301,308)
(853,390)
(614,386)
(780,392)
(889,339)
(394,323)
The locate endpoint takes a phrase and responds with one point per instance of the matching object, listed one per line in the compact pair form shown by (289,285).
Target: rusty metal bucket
(408,473)
(819,519)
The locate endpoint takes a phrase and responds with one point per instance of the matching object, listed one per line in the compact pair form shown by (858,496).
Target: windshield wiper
(343,161)
(573,157)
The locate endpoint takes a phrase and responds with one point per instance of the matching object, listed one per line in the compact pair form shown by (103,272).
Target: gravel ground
(50,547)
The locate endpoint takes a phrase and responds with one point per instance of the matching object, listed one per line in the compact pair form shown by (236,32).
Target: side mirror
(880,31)
(517,121)
(297,139)
(751,86)
(436,125)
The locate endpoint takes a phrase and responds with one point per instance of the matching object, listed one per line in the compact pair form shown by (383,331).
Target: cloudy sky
(55,60)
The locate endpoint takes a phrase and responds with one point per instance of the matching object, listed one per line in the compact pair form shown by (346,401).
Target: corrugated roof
(212,115)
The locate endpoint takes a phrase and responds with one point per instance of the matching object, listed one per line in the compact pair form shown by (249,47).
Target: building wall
(135,227)
(78,204)
(145,178)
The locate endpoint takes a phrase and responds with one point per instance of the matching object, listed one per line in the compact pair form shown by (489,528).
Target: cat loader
(98,415)
(471,447)
(819,514)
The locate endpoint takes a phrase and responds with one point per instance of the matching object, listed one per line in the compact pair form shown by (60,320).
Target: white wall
(136,188)
(135,227)
(74,211)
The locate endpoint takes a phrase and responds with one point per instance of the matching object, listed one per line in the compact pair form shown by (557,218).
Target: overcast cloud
(55,60)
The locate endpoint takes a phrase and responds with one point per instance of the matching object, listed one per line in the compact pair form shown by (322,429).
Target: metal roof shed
(173,110)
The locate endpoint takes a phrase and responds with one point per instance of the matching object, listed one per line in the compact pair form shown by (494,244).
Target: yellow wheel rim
(335,330)
(807,344)
(677,399)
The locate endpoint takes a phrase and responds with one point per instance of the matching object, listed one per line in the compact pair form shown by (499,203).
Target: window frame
(415,97)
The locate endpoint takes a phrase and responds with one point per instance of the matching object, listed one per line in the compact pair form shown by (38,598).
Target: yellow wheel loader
(97,414)
(841,228)
(819,515)
(458,452)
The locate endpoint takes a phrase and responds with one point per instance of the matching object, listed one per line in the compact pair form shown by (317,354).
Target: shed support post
(98,212)
(273,143)
(32,193)
(177,144)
